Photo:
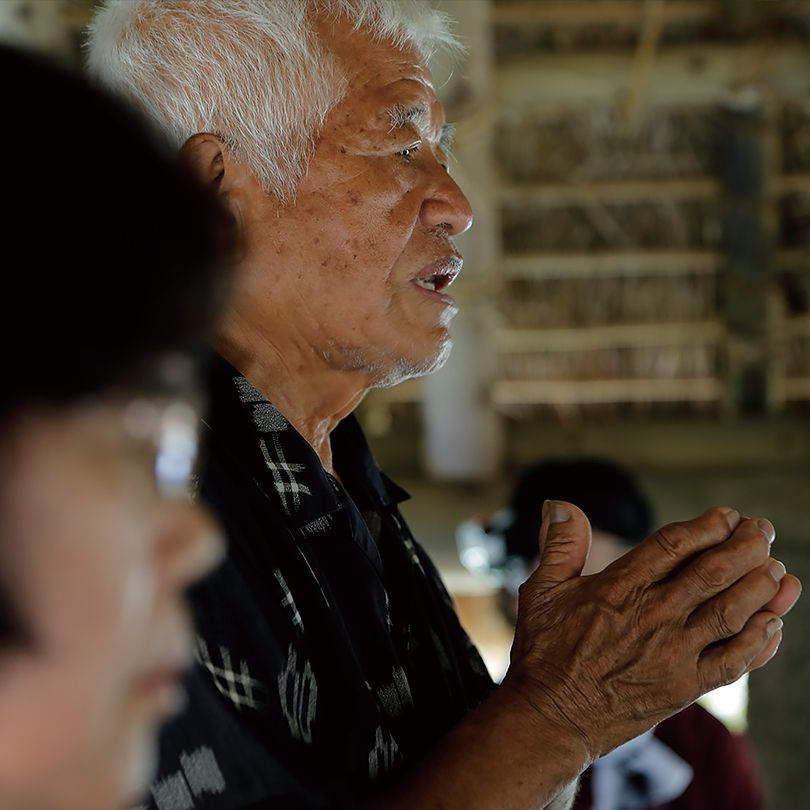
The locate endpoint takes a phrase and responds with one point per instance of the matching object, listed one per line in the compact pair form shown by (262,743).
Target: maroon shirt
(726,774)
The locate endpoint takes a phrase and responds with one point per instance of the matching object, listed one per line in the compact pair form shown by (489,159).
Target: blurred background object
(690,761)
(636,285)
(50,27)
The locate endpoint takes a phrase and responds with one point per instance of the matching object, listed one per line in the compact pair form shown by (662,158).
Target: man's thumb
(565,538)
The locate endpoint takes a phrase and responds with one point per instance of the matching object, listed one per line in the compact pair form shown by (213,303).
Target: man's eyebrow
(418,116)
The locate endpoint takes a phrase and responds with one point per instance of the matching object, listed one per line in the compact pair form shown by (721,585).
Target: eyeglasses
(169,420)
(171,425)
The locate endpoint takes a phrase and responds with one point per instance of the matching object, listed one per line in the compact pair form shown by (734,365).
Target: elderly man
(332,668)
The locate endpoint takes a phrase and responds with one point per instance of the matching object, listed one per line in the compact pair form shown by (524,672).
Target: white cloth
(640,774)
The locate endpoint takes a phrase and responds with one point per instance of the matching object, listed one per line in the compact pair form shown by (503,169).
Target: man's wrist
(546,721)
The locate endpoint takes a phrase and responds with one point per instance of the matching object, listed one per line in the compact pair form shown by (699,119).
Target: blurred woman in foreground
(111,274)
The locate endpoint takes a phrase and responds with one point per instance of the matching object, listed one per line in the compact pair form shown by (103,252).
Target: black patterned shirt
(329,655)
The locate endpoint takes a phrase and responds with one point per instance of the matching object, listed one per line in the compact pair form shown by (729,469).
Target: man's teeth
(434,282)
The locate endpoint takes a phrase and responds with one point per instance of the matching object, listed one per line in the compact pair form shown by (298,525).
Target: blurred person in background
(113,273)
(690,761)
(332,668)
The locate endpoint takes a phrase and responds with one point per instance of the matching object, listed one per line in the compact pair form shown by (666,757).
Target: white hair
(252,72)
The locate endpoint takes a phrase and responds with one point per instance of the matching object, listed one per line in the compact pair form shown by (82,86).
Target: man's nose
(447,206)
(190,545)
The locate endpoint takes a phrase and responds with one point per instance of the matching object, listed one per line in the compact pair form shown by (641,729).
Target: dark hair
(112,255)
(607,493)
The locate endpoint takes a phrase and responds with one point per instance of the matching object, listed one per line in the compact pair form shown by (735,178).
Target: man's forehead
(389,86)
(408,102)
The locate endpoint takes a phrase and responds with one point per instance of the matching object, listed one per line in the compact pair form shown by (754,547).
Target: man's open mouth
(436,283)
(439,275)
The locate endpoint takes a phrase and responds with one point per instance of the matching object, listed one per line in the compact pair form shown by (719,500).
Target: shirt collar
(284,462)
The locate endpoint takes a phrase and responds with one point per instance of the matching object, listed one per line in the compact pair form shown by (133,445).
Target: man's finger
(565,539)
(724,663)
(727,613)
(671,546)
(790,589)
(717,569)
(768,653)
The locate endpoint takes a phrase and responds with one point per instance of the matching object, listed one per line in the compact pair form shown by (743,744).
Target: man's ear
(206,157)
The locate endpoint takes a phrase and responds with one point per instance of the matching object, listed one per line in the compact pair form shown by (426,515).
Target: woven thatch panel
(526,28)
(516,39)
(795,136)
(794,284)
(798,357)
(571,303)
(519,41)
(794,217)
(535,146)
(647,362)
(615,411)
(677,225)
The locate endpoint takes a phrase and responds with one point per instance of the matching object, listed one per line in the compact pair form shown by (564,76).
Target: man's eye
(409,151)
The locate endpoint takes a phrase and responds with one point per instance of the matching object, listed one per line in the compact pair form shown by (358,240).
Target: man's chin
(406,368)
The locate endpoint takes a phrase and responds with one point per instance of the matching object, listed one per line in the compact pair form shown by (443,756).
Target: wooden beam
(78,15)
(683,76)
(593,392)
(792,183)
(796,257)
(636,190)
(578,13)
(797,388)
(791,328)
(540,266)
(652,335)
(615,191)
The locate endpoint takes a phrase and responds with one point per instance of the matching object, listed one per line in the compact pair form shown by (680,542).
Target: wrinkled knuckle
(711,573)
(723,672)
(726,620)
(757,546)
(669,539)
(717,517)
(730,670)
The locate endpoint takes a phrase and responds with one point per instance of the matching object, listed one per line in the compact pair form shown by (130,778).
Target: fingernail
(774,625)
(768,529)
(555,512)
(777,570)
(733,518)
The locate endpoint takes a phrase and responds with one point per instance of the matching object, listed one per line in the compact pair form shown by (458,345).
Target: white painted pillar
(463,436)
